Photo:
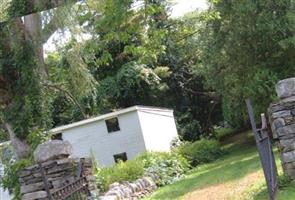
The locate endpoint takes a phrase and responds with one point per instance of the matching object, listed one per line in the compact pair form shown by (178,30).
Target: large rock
(34,195)
(111,197)
(287,145)
(32,187)
(286,88)
(51,150)
(286,130)
(282,114)
(288,157)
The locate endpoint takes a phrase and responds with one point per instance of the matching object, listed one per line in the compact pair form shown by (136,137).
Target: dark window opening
(112,124)
(121,156)
(57,136)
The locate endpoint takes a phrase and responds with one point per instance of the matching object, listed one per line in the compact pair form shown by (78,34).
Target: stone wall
(59,168)
(132,190)
(282,120)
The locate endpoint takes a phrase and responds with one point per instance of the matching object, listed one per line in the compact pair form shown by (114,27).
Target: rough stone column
(58,167)
(282,120)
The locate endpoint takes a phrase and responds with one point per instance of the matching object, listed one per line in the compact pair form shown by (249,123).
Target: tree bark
(33,28)
(21,147)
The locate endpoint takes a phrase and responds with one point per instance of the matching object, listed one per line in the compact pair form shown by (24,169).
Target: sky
(179,8)
(183,6)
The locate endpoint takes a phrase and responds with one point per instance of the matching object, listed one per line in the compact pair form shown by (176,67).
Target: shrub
(122,171)
(201,151)
(169,166)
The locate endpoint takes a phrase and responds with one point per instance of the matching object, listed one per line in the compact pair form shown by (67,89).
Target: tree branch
(73,99)
(204,93)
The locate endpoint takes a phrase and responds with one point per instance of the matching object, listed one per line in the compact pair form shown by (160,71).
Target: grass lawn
(237,175)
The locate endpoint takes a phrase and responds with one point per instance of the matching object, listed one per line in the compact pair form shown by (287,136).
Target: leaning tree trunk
(21,148)
(30,30)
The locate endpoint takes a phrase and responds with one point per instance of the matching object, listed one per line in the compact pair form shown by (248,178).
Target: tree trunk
(33,29)
(21,147)
(29,28)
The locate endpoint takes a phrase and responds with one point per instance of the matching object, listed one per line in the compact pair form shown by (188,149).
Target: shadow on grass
(234,166)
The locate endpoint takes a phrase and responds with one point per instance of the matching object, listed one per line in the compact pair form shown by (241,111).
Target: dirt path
(234,190)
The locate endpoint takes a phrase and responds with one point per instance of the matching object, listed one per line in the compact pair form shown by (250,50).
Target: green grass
(222,133)
(237,175)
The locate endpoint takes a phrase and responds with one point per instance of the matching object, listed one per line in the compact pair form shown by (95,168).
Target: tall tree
(247,46)
(139,55)
(23,71)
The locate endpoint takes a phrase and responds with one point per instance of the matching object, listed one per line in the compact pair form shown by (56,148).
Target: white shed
(122,134)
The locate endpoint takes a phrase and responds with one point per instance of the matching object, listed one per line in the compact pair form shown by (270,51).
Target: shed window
(112,124)
(57,136)
(121,156)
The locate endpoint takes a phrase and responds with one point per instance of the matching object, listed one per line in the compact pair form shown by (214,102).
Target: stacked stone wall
(132,190)
(282,120)
(58,172)
(59,169)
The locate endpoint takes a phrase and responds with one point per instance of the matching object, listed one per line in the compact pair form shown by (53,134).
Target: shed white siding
(141,129)
(158,128)
(94,138)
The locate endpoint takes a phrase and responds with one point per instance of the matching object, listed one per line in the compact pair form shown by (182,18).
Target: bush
(122,171)
(169,166)
(201,151)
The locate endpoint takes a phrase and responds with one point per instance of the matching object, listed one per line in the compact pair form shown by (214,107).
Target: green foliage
(122,171)
(170,167)
(141,56)
(3,136)
(201,151)
(245,49)
(188,131)
(35,138)
(187,92)
(10,179)
(221,133)
(3,10)
(131,85)
(283,181)
(236,167)
(29,107)
(18,8)
(7,154)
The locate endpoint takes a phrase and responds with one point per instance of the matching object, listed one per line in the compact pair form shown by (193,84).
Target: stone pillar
(58,167)
(282,120)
